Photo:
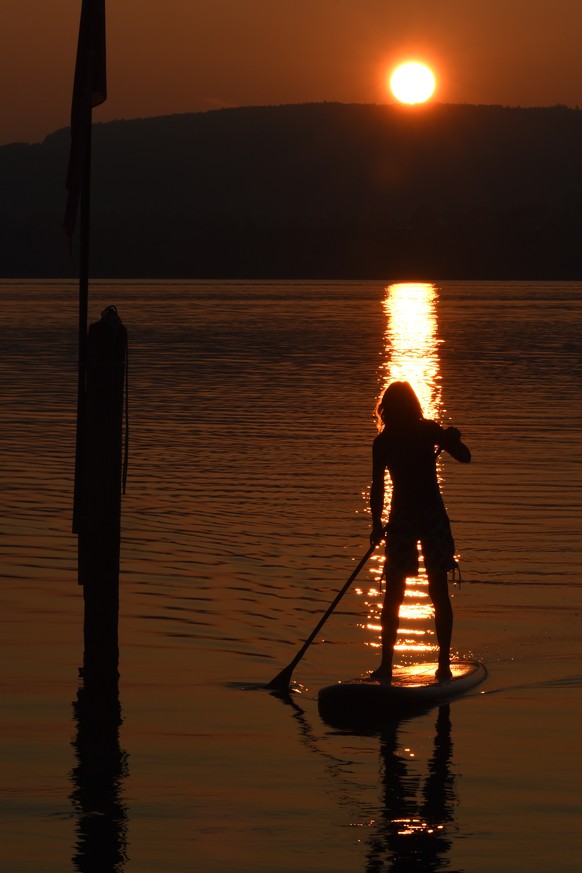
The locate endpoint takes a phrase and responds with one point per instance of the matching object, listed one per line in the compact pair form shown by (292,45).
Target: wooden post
(99,503)
(82,330)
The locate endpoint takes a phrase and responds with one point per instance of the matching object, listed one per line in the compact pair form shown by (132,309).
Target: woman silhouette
(407,446)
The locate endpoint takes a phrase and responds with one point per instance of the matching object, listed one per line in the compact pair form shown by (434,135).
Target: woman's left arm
(450,440)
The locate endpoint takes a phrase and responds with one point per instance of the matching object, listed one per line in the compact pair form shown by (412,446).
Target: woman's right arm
(377,494)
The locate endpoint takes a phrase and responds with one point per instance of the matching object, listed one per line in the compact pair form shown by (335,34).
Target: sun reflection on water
(411,354)
(411,342)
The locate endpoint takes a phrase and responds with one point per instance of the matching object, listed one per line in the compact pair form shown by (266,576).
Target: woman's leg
(438,590)
(390,615)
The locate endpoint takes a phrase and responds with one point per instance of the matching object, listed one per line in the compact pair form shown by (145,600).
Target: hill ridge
(318,190)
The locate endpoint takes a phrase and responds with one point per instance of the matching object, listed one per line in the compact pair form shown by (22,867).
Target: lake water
(246,510)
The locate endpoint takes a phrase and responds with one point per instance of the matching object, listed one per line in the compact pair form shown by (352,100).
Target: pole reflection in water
(97,782)
(411,833)
(411,345)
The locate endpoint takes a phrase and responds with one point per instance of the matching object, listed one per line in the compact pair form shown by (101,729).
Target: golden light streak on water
(416,611)
(411,342)
(414,826)
(411,354)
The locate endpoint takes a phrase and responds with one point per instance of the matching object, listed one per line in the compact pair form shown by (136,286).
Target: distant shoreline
(320,191)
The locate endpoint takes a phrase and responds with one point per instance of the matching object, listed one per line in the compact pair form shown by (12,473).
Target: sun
(412,83)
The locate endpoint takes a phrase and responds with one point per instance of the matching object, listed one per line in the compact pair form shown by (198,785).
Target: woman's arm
(377,494)
(450,440)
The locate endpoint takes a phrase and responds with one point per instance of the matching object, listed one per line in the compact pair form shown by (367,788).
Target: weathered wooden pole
(99,500)
(89,90)
(85,235)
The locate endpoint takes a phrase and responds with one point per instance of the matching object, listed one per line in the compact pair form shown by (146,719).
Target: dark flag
(89,90)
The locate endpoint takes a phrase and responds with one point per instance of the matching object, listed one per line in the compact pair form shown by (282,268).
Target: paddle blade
(282,680)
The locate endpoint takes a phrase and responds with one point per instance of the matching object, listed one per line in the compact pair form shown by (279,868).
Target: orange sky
(167,56)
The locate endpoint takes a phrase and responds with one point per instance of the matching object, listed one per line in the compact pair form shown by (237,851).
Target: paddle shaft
(282,679)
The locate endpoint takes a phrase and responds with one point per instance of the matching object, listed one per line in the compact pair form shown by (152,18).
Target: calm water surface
(251,425)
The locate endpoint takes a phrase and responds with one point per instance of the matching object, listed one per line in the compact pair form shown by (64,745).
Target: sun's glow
(412,83)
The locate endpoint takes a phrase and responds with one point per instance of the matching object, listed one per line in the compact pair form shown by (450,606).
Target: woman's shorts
(433,531)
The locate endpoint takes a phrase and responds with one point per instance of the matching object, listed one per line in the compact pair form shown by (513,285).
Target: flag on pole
(89,90)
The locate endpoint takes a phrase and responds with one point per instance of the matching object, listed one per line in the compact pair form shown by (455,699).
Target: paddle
(282,679)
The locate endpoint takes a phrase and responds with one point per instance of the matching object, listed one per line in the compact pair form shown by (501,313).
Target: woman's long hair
(398,406)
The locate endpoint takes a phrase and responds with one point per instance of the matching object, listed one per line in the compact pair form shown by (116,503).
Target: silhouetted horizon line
(389,105)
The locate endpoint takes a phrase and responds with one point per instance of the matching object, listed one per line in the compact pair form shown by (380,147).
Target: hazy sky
(167,56)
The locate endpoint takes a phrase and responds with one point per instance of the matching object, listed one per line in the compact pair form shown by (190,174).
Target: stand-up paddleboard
(412,689)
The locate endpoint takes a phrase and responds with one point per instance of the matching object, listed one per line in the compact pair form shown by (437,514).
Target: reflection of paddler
(407,447)
(410,832)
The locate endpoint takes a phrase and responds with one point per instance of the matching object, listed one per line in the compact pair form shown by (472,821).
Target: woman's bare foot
(383,672)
